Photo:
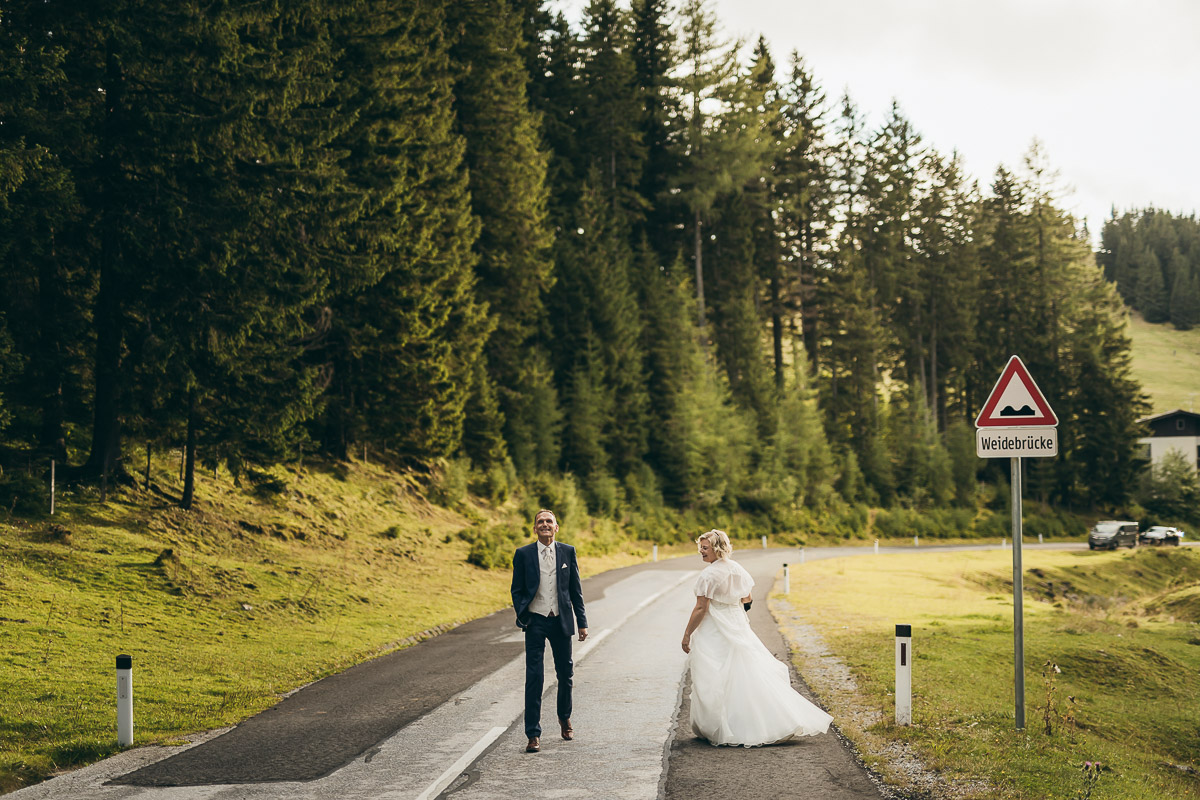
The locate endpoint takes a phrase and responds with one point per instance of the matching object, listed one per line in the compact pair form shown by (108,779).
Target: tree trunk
(699,274)
(50,367)
(808,297)
(777,327)
(189,475)
(106,429)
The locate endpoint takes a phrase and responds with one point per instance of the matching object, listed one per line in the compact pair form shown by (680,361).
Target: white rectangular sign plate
(1036,442)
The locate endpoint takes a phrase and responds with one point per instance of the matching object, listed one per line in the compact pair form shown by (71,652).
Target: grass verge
(1112,650)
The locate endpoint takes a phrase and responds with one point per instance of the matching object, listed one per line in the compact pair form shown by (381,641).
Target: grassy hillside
(1167,363)
(225,608)
(1111,654)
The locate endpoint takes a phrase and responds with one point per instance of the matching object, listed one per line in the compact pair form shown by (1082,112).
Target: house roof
(1169,414)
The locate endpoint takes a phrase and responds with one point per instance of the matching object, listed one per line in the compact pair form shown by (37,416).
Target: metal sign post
(1018,596)
(1016,422)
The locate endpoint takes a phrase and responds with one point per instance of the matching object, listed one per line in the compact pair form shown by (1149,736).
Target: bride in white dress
(741,694)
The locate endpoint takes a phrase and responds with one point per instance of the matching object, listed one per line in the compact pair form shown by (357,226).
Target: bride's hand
(686,647)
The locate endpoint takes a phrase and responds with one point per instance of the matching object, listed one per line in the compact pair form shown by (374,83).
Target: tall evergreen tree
(508,189)
(1152,298)
(1185,300)
(406,329)
(804,192)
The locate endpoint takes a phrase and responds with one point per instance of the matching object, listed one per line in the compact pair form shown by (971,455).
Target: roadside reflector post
(787,580)
(52,487)
(1003,542)
(876,547)
(1039,538)
(904,674)
(916,541)
(801,555)
(764,543)
(655,555)
(124,700)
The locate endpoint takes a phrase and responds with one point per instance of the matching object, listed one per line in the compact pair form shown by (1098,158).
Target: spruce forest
(627,253)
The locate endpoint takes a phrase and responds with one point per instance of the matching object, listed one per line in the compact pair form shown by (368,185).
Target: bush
(24,494)
(495,482)
(492,547)
(603,494)
(451,479)
(559,494)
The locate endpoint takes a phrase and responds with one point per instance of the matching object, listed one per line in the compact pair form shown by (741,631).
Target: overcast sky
(1111,87)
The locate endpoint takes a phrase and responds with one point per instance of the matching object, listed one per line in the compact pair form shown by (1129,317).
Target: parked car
(1161,534)
(1110,534)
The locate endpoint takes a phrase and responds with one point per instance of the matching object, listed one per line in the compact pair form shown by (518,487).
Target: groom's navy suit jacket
(527,576)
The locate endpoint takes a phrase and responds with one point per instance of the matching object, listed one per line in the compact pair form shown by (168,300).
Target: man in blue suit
(548,598)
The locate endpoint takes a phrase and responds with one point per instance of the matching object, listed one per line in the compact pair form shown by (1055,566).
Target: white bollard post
(764,543)
(876,547)
(125,700)
(1039,538)
(916,541)
(656,552)
(52,487)
(904,674)
(787,581)
(1003,542)
(801,555)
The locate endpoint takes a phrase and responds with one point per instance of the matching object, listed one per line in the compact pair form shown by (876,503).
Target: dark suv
(1112,533)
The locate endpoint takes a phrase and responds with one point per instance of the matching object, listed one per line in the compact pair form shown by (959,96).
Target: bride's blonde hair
(718,540)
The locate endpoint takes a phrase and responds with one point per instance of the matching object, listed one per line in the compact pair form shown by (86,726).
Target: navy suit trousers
(540,630)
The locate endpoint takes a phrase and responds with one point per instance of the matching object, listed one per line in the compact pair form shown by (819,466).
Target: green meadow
(1167,363)
(1112,653)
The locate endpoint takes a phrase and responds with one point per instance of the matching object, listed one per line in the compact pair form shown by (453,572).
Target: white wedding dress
(741,694)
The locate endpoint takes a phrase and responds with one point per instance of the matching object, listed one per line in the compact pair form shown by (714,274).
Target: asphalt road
(443,719)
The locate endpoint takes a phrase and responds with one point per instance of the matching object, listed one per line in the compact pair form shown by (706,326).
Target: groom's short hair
(546,511)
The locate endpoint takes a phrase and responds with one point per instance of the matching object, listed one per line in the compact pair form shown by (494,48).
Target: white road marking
(457,767)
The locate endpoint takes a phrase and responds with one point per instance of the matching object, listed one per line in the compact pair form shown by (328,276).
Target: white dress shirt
(545,602)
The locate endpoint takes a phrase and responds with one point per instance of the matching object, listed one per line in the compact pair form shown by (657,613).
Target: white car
(1161,534)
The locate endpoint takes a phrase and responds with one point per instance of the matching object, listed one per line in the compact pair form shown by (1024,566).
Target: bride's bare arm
(694,622)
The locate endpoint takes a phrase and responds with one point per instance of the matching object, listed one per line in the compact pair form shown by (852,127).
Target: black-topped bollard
(125,700)
(904,674)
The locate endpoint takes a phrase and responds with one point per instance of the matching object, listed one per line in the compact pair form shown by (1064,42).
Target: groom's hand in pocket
(582,634)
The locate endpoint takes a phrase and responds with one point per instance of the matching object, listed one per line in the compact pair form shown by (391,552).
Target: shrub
(559,494)
(451,479)
(492,547)
(24,494)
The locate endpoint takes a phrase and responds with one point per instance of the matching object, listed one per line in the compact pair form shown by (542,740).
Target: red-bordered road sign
(1016,401)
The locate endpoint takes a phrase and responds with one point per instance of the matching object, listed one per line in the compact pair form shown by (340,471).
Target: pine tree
(1152,298)
(653,56)
(508,191)
(724,147)
(406,328)
(802,186)
(1185,300)
(594,311)
(608,132)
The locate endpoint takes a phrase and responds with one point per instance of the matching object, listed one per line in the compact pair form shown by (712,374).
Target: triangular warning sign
(1015,401)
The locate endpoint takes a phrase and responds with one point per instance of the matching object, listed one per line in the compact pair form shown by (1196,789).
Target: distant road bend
(443,719)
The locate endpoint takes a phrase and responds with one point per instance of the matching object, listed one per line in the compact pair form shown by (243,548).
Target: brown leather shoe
(534,745)
(568,732)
